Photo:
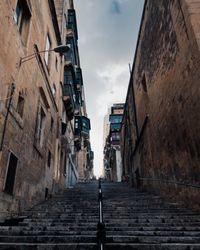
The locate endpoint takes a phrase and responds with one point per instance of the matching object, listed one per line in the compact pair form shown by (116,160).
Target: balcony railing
(79,78)
(68,98)
(71,24)
(82,126)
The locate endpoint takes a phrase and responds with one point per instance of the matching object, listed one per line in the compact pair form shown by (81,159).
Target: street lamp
(6,116)
(61,49)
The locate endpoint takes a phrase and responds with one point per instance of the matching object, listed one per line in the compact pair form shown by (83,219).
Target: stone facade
(164,155)
(112,155)
(35,153)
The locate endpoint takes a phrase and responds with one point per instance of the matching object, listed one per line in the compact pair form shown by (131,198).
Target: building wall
(165,77)
(112,155)
(35,82)
(118,166)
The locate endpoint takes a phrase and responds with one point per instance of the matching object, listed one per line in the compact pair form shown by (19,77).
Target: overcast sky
(108,32)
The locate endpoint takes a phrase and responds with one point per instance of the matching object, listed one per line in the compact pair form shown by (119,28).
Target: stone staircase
(134,220)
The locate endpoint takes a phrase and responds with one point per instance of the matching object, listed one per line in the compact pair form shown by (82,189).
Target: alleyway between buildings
(133,220)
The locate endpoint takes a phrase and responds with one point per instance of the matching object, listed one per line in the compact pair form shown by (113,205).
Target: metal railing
(101,231)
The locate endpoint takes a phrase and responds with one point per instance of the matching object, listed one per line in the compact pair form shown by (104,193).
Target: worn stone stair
(134,220)
(139,220)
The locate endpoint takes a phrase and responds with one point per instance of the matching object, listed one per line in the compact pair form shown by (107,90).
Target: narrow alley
(99,125)
(133,220)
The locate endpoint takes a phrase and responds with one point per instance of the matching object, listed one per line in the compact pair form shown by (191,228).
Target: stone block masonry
(165,77)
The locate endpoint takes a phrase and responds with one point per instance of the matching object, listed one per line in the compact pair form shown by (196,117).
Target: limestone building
(112,155)
(160,132)
(38,154)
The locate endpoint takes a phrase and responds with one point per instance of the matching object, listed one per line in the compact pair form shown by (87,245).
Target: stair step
(133,219)
(92,239)
(93,246)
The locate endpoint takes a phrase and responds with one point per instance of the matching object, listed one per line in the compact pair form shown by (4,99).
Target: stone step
(121,224)
(92,239)
(52,232)
(93,246)
(108,215)
(112,220)
(134,220)
(88,228)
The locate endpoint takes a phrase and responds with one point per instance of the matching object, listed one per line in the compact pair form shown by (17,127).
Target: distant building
(112,156)
(106,126)
(160,134)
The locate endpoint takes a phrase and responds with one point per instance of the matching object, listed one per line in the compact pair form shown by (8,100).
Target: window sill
(38,148)
(19,120)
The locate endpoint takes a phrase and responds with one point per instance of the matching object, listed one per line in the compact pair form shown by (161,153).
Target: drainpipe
(134,106)
(6,117)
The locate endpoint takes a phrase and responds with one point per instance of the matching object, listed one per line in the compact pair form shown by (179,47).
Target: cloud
(107,37)
(115,7)
(115,80)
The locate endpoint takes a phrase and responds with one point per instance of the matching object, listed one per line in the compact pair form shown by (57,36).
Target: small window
(47,48)
(56,63)
(71,54)
(11,173)
(54,90)
(20,105)
(22,18)
(144,84)
(68,76)
(52,124)
(49,159)
(46,193)
(65,165)
(41,126)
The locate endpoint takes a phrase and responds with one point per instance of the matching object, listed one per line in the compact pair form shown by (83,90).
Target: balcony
(77,143)
(115,138)
(82,126)
(68,99)
(115,127)
(72,24)
(91,155)
(71,56)
(115,118)
(79,78)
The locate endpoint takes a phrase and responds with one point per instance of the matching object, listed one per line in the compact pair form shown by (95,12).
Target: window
(56,63)
(144,84)
(22,18)
(79,78)
(11,172)
(116,118)
(68,76)
(46,193)
(115,136)
(71,54)
(20,105)
(54,90)
(49,159)
(71,24)
(47,48)
(65,165)
(115,126)
(41,126)
(52,123)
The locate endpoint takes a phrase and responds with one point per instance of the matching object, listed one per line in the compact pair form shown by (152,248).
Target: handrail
(170,182)
(101,232)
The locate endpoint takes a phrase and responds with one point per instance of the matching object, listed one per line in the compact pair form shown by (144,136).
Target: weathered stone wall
(35,81)
(166,80)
